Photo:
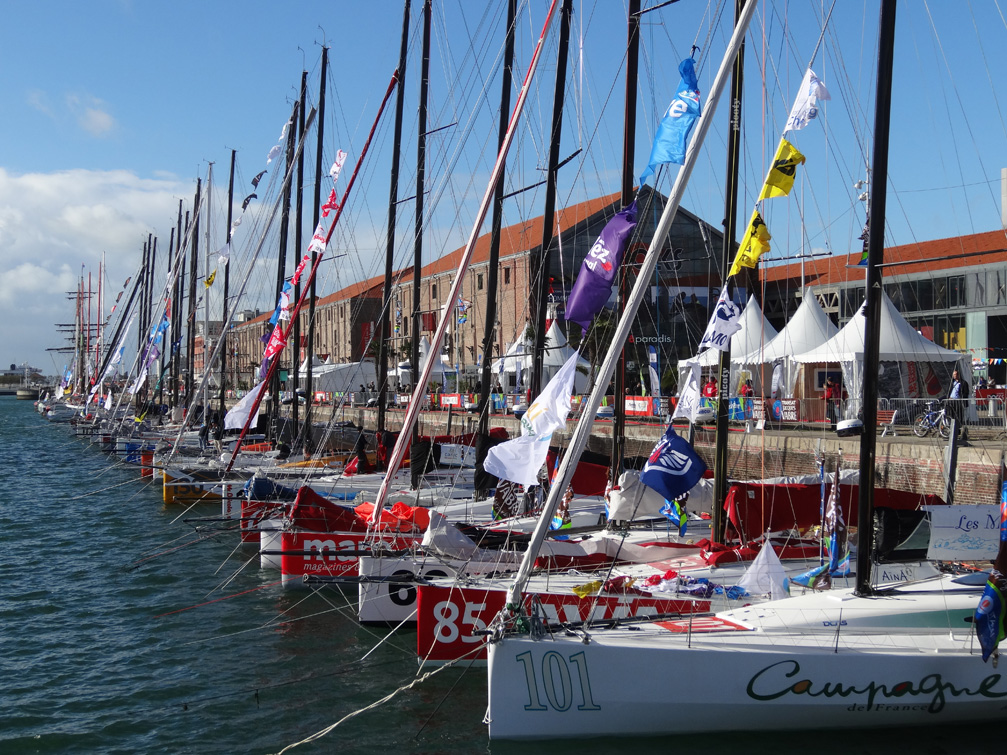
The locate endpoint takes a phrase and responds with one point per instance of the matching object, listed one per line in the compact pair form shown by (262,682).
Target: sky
(112,109)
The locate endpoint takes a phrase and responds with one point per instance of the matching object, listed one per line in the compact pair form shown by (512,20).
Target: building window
(956,291)
(479,282)
(506,276)
(433,290)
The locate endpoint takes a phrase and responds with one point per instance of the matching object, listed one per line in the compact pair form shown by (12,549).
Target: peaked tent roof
(755,330)
(899,342)
(809,328)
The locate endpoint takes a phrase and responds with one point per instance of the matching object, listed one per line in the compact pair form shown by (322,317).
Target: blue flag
(989,619)
(673,467)
(675,127)
(593,286)
(675,512)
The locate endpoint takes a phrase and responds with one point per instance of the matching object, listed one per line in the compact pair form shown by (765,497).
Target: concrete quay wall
(902,462)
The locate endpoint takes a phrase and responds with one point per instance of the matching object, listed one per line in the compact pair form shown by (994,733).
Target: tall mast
(171,333)
(578,441)
(152,243)
(225,315)
(384,327)
(204,382)
(176,307)
(489,331)
(730,228)
(873,302)
(281,264)
(295,352)
(540,267)
(190,320)
(628,157)
(421,159)
(314,255)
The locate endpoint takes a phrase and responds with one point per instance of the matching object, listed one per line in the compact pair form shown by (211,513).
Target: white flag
(337,165)
(224,253)
(520,459)
(274,152)
(689,395)
(318,240)
(236,418)
(806,104)
(726,321)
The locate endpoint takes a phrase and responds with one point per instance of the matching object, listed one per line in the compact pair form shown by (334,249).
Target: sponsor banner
(964,533)
(451,399)
(449,619)
(318,553)
(454,455)
(639,406)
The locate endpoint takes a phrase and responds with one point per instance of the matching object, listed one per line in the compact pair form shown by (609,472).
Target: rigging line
(447,694)
(418,680)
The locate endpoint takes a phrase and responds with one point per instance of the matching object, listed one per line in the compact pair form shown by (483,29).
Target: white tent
(335,378)
(557,352)
(512,368)
(809,328)
(914,356)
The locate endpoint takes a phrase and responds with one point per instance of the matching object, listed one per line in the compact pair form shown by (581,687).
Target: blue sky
(112,109)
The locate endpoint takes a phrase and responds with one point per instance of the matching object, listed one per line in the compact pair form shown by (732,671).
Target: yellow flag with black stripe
(780,180)
(754,244)
(209,279)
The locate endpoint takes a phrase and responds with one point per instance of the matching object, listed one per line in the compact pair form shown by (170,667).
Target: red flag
(276,343)
(330,204)
(300,269)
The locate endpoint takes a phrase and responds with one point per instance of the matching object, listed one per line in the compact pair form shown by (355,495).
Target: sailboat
(835,659)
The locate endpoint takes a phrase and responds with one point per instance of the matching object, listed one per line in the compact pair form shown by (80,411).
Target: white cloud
(39,100)
(91,114)
(51,224)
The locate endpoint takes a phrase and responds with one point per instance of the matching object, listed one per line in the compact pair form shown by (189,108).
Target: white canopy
(809,328)
(899,342)
(336,378)
(518,359)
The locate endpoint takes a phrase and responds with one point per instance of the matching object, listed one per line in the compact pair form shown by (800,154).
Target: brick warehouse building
(672,318)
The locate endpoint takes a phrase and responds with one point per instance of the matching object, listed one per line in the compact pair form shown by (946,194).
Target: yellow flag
(209,279)
(780,180)
(754,244)
(587,590)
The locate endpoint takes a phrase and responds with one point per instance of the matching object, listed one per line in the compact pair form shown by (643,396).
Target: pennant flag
(806,104)
(224,255)
(593,286)
(520,459)
(655,376)
(675,512)
(236,418)
(330,204)
(255,181)
(865,236)
(780,179)
(296,278)
(318,240)
(276,343)
(673,132)
(248,199)
(337,165)
(210,278)
(753,244)
(726,321)
(673,468)
(689,395)
(834,528)
(815,579)
(989,619)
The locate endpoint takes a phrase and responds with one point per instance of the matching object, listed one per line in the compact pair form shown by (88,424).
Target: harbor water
(129,627)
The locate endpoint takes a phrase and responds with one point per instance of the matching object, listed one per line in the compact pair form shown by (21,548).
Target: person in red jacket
(710,388)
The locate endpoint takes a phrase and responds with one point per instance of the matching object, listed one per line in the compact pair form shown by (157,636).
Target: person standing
(957,398)
(831,401)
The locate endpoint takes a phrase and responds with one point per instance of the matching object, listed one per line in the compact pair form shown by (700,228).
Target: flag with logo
(593,286)
(780,179)
(673,468)
(520,459)
(674,512)
(989,619)
(655,378)
(726,321)
(317,240)
(753,244)
(805,107)
(673,132)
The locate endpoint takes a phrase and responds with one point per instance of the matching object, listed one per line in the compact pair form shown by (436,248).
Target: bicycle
(934,418)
